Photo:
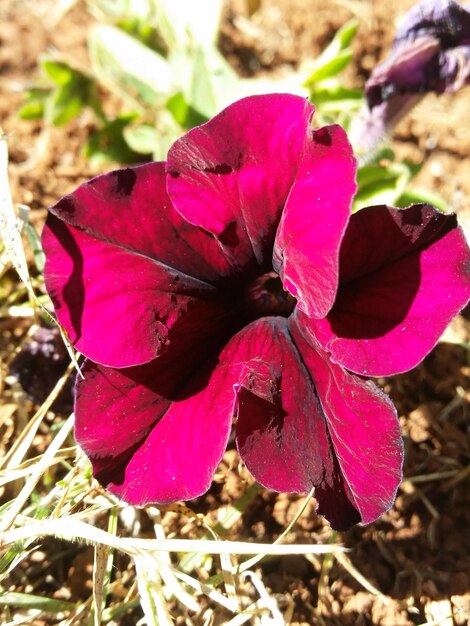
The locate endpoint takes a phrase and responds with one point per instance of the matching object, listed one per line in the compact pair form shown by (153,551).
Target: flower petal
(363,426)
(232,175)
(154,433)
(281,428)
(306,252)
(404,275)
(120,308)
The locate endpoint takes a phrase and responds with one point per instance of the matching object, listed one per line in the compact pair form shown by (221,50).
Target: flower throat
(265,296)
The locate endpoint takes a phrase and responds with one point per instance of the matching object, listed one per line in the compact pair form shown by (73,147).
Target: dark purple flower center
(265,296)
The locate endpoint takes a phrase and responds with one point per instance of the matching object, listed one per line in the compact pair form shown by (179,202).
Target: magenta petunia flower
(231,284)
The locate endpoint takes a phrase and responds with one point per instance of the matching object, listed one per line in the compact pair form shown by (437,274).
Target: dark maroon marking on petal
(422,221)
(414,217)
(265,416)
(464,267)
(222,169)
(322,136)
(335,500)
(112,469)
(229,235)
(125,181)
(174,173)
(404,227)
(73,290)
(66,205)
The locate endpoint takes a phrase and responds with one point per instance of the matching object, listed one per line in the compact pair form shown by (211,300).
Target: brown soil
(418,554)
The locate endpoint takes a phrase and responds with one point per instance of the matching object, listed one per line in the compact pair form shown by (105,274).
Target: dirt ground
(418,554)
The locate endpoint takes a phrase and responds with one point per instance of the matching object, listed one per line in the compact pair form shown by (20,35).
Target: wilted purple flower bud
(39,365)
(431,52)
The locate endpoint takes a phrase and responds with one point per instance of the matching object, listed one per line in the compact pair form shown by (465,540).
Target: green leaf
(143,31)
(139,71)
(35,243)
(345,35)
(74,91)
(58,71)
(202,93)
(184,114)
(168,131)
(329,68)
(207,81)
(336,55)
(135,17)
(412,195)
(30,601)
(385,153)
(33,110)
(337,93)
(142,139)
(380,185)
(67,102)
(109,145)
(34,106)
(8,557)
(335,98)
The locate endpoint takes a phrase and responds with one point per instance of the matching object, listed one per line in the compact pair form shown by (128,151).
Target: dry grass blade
(166,572)
(21,621)
(250,562)
(33,480)
(266,600)
(243,617)
(151,593)
(426,478)
(8,221)
(29,466)
(227,573)
(362,580)
(23,443)
(102,566)
(231,515)
(13,244)
(71,529)
(461,475)
(234,547)
(210,592)
(99,572)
